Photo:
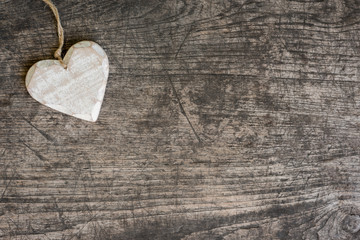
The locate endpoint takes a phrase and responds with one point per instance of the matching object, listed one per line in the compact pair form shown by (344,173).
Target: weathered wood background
(222,119)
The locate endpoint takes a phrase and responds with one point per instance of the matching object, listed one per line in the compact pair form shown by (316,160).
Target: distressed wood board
(221,120)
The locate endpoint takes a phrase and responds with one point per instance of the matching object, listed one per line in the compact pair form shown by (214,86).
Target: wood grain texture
(222,119)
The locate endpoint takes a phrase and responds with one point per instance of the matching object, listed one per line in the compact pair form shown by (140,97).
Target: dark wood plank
(221,120)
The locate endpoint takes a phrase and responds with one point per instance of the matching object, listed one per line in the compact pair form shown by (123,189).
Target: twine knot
(57,55)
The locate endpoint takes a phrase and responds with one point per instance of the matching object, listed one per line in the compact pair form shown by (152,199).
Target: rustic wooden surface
(221,120)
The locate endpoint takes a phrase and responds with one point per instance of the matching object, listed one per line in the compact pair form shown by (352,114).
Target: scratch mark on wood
(7,186)
(37,154)
(182,43)
(44,134)
(182,110)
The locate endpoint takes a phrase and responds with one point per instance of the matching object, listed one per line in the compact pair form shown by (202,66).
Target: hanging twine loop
(60,31)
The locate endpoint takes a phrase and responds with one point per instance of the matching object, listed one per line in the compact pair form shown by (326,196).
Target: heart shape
(77,90)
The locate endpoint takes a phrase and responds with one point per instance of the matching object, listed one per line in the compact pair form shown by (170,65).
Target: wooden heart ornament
(77,90)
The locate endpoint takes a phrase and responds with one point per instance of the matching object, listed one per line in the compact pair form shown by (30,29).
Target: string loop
(60,31)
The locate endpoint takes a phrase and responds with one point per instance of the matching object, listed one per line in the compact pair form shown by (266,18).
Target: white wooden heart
(77,90)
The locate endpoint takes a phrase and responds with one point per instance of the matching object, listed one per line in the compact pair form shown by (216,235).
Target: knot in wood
(351,224)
